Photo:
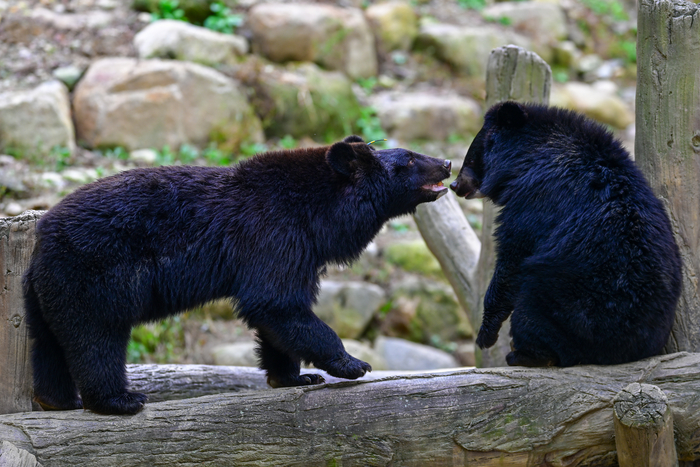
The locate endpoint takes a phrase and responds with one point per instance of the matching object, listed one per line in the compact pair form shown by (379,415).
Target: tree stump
(16,245)
(643,427)
(667,145)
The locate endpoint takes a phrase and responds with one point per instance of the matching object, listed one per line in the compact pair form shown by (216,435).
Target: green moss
(414,256)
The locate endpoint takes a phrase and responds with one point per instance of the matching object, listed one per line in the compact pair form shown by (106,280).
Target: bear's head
(502,120)
(402,178)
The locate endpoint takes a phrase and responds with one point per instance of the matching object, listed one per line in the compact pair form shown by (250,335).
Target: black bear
(148,243)
(586,261)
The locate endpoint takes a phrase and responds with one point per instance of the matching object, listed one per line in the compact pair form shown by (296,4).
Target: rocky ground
(93,87)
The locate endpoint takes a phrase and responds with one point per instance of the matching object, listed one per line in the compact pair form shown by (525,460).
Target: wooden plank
(667,144)
(16,245)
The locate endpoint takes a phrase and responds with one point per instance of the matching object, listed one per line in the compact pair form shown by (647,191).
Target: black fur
(586,260)
(148,243)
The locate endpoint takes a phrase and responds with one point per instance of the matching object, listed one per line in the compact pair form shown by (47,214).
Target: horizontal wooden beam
(482,417)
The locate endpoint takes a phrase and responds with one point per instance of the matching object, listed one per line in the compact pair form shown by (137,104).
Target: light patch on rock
(183,41)
(347,307)
(599,102)
(35,121)
(401,354)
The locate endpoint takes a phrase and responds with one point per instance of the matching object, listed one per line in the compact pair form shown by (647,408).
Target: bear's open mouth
(438,188)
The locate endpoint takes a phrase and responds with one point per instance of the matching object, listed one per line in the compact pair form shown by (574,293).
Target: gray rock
(544,23)
(302,100)
(335,38)
(424,115)
(35,121)
(395,25)
(151,103)
(183,41)
(144,156)
(237,354)
(347,307)
(598,102)
(464,47)
(401,354)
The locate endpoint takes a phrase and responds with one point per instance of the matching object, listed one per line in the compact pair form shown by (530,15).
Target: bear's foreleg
(498,304)
(299,335)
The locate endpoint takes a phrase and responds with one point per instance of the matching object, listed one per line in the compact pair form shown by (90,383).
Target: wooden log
(455,245)
(479,417)
(512,73)
(643,427)
(667,144)
(16,245)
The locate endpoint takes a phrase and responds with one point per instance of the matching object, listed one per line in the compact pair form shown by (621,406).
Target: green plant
(367,84)
(165,156)
(251,149)
(371,126)
(117,153)
(288,142)
(188,154)
(611,8)
(168,9)
(223,19)
(472,4)
(61,155)
(156,342)
(215,156)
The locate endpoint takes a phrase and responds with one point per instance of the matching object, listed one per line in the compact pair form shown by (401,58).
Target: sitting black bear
(586,259)
(148,243)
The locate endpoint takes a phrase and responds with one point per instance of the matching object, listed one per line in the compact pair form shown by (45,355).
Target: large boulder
(333,37)
(400,354)
(598,102)
(183,41)
(302,100)
(35,121)
(427,115)
(544,23)
(151,103)
(395,25)
(348,307)
(466,48)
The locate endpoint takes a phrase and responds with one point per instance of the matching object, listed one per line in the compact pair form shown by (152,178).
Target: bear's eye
(411,161)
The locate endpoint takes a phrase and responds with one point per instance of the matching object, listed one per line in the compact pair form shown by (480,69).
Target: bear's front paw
(486,338)
(294,380)
(347,367)
(126,403)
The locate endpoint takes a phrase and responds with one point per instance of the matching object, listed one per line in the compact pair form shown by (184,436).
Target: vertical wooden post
(16,245)
(644,427)
(667,146)
(512,73)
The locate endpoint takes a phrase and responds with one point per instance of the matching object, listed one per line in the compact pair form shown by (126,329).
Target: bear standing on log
(586,259)
(148,243)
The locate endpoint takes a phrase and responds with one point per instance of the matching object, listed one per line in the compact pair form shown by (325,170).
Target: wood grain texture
(16,246)
(481,417)
(643,427)
(455,245)
(667,144)
(512,73)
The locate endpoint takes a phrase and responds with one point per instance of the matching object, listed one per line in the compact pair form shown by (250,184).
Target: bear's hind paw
(127,403)
(299,380)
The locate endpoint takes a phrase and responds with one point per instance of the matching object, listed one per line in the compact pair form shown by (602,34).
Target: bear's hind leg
(54,388)
(282,370)
(99,365)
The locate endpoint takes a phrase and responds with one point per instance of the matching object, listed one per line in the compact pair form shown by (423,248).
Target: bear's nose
(447,164)
(453,185)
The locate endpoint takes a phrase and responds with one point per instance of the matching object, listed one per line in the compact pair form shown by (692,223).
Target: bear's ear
(342,158)
(511,115)
(353,139)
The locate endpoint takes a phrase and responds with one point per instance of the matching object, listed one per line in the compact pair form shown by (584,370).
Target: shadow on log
(481,417)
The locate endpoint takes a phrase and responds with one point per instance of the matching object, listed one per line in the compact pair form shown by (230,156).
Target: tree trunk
(667,146)
(16,245)
(515,74)
(487,417)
